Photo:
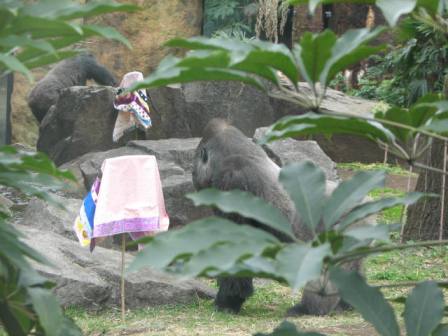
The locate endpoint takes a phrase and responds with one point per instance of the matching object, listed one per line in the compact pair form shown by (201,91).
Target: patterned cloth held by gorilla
(128,199)
(133,108)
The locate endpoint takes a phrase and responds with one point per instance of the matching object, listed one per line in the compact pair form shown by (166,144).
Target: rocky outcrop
(92,280)
(83,119)
(175,159)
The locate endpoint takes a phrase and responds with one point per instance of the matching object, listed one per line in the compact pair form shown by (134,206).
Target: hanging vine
(271,19)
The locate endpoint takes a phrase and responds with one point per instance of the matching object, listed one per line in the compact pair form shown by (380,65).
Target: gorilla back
(70,72)
(226,159)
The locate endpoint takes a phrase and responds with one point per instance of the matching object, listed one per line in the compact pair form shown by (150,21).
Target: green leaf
(349,193)
(378,232)
(46,59)
(392,10)
(106,32)
(24,41)
(367,300)
(39,27)
(69,328)
(299,263)
(47,309)
(222,258)
(169,72)
(305,183)
(441,330)
(288,329)
(256,57)
(369,208)
(93,9)
(349,49)
(313,123)
(314,53)
(424,309)
(11,63)
(245,204)
(195,237)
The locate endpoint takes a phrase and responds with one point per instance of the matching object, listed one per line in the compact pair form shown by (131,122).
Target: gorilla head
(226,159)
(69,72)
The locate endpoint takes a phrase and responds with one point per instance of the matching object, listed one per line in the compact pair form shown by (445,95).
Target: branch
(388,248)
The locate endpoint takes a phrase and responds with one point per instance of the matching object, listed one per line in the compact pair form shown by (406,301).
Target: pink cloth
(130,198)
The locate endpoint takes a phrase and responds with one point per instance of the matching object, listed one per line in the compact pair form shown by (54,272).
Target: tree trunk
(423,218)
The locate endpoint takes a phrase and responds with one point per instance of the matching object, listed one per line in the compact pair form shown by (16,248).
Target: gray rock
(83,118)
(92,280)
(48,217)
(81,121)
(287,151)
(184,112)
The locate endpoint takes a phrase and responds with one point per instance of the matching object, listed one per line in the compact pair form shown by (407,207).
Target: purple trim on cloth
(126,225)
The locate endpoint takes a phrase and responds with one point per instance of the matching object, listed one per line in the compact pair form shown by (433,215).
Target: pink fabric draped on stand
(130,198)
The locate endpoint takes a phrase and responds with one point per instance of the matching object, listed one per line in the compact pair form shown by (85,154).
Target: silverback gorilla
(226,159)
(70,72)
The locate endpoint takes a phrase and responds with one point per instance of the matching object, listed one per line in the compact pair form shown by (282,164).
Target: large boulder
(175,162)
(81,121)
(92,280)
(287,151)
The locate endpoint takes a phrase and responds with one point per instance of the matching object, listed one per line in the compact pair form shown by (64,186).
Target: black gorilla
(226,159)
(70,72)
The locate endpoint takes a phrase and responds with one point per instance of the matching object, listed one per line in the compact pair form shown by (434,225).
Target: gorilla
(226,159)
(69,72)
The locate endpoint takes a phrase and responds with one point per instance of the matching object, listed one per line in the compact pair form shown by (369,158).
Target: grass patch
(262,313)
(266,309)
(391,215)
(390,169)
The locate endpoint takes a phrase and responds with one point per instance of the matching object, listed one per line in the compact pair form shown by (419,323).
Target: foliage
(26,301)
(214,246)
(234,18)
(32,35)
(316,59)
(418,65)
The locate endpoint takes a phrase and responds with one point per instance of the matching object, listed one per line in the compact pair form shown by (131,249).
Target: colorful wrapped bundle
(133,108)
(129,200)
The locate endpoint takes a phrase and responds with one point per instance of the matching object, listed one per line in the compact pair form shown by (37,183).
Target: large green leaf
(39,27)
(12,41)
(300,263)
(314,52)
(349,193)
(224,257)
(171,71)
(245,204)
(12,63)
(442,330)
(48,310)
(195,237)
(424,309)
(288,329)
(106,32)
(367,300)
(256,57)
(313,123)
(368,232)
(349,49)
(369,208)
(305,183)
